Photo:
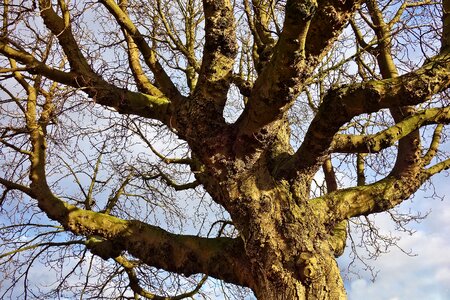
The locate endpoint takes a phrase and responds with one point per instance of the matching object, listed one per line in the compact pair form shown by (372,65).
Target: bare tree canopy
(146,146)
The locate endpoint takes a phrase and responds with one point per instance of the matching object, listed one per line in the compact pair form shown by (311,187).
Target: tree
(120,117)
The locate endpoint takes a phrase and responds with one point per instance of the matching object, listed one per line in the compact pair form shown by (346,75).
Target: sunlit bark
(286,237)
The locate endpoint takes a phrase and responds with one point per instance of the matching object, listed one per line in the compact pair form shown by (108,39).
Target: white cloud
(424,276)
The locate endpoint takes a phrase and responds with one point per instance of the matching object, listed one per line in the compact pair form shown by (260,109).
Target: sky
(424,276)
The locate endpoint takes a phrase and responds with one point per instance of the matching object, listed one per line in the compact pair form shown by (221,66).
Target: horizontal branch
(222,258)
(46,244)
(104,93)
(439,167)
(364,200)
(373,198)
(34,66)
(10,185)
(372,143)
(129,102)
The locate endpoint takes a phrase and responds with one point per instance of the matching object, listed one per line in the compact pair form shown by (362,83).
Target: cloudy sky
(423,276)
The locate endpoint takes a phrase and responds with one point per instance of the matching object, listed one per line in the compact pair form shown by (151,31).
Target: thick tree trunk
(327,285)
(286,238)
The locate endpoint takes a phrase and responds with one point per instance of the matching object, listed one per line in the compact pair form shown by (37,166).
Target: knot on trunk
(307,267)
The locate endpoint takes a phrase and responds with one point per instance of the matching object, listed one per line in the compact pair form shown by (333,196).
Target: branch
(165,159)
(338,236)
(141,79)
(135,286)
(296,54)
(439,167)
(164,81)
(364,200)
(374,198)
(259,28)
(124,101)
(219,53)
(278,84)
(327,24)
(143,83)
(61,28)
(34,66)
(46,244)
(16,186)
(222,258)
(374,143)
(435,142)
(112,201)
(352,100)
(176,186)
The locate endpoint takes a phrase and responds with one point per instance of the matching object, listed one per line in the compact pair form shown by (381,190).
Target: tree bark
(287,238)
(327,285)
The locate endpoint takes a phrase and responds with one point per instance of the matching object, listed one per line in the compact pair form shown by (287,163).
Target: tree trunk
(286,238)
(299,264)
(326,285)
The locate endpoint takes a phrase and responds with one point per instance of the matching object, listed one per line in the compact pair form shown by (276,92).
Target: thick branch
(349,101)
(35,66)
(124,101)
(294,58)
(364,200)
(218,54)
(61,28)
(445,40)
(153,105)
(10,185)
(142,81)
(222,258)
(373,143)
(373,198)
(439,167)
(329,20)
(279,82)
(259,27)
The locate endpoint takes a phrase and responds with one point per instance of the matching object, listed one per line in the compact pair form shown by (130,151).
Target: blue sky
(423,276)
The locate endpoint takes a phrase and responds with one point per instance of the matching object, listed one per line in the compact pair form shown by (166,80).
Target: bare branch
(164,81)
(373,143)
(352,100)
